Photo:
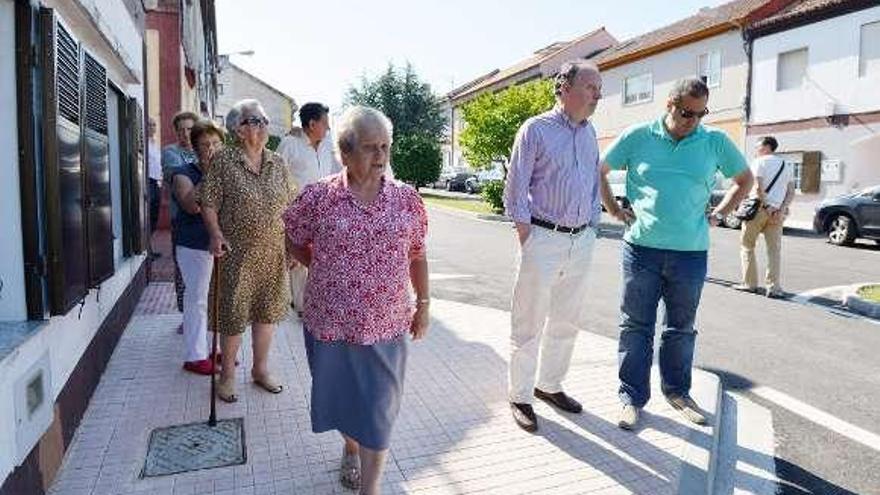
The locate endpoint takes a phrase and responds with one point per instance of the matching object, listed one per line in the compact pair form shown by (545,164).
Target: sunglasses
(690,114)
(255,121)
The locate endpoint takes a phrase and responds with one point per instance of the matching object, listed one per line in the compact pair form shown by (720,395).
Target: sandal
(226,391)
(267,383)
(350,471)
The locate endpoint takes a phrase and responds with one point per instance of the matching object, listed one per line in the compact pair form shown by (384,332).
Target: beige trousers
(751,229)
(549,309)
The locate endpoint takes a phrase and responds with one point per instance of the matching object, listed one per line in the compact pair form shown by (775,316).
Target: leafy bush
(416,159)
(493,193)
(273,143)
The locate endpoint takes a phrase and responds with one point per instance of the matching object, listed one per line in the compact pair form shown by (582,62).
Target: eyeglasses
(255,121)
(690,114)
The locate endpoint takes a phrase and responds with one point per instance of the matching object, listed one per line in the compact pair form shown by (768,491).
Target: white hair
(238,111)
(355,121)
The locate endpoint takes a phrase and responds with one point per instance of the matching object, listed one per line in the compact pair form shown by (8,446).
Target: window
(219,89)
(807,170)
(791,69)
(709,68)
(638,89)
(869,49)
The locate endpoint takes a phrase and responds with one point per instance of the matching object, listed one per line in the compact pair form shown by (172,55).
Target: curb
(860,305)
(699,458)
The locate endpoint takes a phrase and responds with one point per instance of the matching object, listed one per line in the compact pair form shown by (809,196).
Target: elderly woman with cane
(362,237)
(243,197)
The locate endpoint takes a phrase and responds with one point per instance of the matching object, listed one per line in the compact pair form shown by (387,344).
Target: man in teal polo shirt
(670,164)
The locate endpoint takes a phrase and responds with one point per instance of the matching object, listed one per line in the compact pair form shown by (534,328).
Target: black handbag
(748,209)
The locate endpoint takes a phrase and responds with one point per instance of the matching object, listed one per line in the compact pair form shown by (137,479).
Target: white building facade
(235,83)
(636,91)
(72,192)
(816,88)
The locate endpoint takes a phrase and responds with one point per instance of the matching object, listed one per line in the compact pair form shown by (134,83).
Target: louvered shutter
(96,163)
(61,150)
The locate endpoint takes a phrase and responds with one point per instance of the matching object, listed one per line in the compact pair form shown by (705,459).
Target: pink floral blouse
(358,289)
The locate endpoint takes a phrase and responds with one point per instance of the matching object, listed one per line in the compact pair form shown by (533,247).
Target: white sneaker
(629,417)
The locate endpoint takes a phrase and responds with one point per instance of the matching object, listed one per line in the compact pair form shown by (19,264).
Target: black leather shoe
(524,415)
(560,401)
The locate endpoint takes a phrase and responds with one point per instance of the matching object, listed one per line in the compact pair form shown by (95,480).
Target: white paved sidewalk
(454,435)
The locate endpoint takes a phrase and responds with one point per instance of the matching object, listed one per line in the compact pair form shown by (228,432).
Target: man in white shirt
(154,172)
(310,156)
(774,188)
(308,153)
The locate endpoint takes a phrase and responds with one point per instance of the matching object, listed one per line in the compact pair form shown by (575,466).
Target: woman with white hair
(362,236)
(243,197)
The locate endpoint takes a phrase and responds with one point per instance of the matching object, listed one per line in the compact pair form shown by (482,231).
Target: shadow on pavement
(793,479)
(798,481)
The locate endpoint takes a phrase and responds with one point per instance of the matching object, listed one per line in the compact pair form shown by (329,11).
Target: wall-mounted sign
(831,171)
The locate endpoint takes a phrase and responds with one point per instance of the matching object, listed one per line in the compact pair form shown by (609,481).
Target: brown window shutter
(811,172)
(62,172)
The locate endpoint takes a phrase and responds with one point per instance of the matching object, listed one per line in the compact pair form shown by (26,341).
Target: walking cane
(215,307)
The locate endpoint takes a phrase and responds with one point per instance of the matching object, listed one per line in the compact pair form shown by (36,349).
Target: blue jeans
(649,276)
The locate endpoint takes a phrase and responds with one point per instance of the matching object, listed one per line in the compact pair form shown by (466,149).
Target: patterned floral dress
(253,274)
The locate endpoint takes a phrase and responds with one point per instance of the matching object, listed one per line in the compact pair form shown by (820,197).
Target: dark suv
(458,182)
(845,218)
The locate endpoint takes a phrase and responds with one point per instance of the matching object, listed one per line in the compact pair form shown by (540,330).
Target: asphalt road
(815,356)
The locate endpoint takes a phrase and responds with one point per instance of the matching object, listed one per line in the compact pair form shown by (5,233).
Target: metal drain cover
(182,448)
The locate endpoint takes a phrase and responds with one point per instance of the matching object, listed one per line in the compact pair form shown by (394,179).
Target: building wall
(189,95)
(237,85)
(12,294)
(166,25)
(833,84)
(55,348)
(154,83)
(110,32)
(798,117)
(725,101)
(840,145)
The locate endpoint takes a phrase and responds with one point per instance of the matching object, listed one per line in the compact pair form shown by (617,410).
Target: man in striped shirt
(552,194)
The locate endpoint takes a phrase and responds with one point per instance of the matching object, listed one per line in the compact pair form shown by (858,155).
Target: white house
(637,74)
(542,63)
(816,88)
(73,229)
(235,83)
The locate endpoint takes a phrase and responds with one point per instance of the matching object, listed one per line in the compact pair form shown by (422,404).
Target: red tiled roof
(804,10)
(729,14)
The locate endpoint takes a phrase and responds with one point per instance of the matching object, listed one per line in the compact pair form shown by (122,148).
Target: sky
(316,50)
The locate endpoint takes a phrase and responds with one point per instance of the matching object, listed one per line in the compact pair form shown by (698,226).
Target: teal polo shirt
(669,182)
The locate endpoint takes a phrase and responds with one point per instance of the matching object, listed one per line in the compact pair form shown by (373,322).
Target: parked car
(475,184)
(443,179)
(485,176)
(730,221)
(849,217)
(472,185)
(457,182)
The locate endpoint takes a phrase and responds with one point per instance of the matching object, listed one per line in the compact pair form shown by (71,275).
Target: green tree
(416,159)
(418,121)
(492,119)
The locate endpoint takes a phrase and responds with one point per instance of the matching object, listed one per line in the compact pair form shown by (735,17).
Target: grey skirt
(356,389)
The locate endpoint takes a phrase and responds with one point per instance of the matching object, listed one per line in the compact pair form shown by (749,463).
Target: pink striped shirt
(554,172)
